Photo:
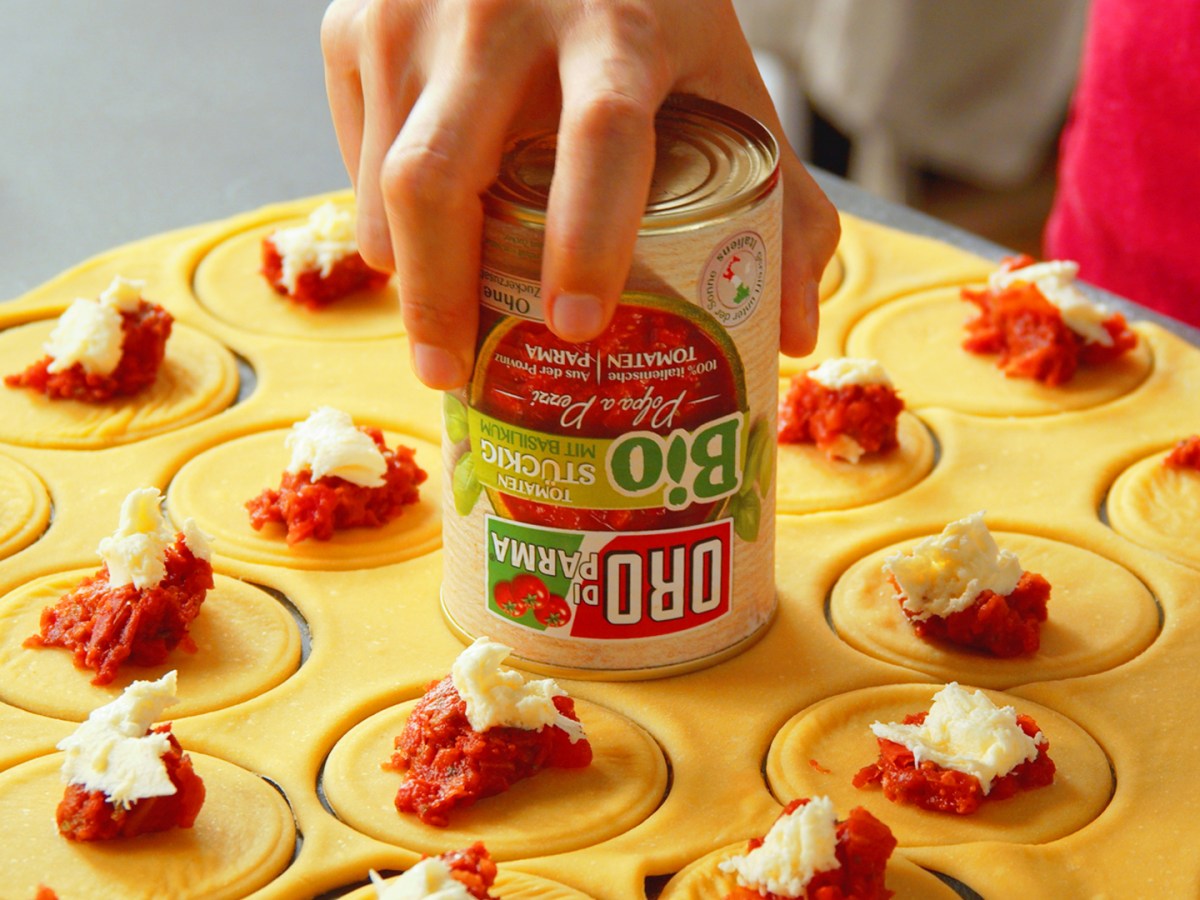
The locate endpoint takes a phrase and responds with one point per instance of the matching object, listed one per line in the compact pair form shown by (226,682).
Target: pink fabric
(1128,201)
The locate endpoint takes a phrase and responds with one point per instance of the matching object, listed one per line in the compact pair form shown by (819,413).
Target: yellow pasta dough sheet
(309,657)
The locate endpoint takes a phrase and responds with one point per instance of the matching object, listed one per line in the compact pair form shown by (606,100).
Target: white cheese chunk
(135,553)
(430,879)
(497,697)
(968,733)
(945,573)
(318,244)
(112,752)
(1055,280)
(89,332)
(123,294)
(845,371)
(328,443)
(797,847)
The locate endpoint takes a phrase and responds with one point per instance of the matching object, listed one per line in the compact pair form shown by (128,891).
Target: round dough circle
(555,811)
(1099,616)
(918,339)
(243,838)
(808,481)
(508,885)
(24,509)
(214,487)
(1158,507)
(228,282)
(198,378)
(835,735)
(703,880)
(247,643)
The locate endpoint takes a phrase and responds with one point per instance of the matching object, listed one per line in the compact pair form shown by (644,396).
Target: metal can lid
(711,162)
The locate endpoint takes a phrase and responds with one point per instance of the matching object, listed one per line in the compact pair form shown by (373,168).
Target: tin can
(610,504)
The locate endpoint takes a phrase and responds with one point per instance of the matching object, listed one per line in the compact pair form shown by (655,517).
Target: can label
(609,586)
(613,500)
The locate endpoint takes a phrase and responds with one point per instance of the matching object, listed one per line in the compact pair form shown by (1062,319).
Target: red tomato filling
(107,626)
(347,276)
(449,765)
(1004,625)
(84,815)
(1030,336)
(145,330)
(316,509)
(614,407)
(863,847)
(1186,454)
(473,868)
(810,413)
(931,787)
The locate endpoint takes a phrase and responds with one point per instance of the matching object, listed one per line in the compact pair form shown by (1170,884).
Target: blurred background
(953,107)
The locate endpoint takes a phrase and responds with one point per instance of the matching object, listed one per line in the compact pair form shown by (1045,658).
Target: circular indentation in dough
(508,885)
(1158,507)
(831,278)
(227,281)
(198,378)
(1099,615)
(24,507)
(213,489)
(819,750)
(704,880)
(247,643)
(243,838)
(808,481)
(918,339)
(555,811)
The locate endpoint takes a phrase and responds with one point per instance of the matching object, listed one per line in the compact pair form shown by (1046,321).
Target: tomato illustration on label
(526,593)
(553,611)
(509,602)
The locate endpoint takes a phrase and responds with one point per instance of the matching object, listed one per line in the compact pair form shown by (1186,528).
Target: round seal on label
(731,282)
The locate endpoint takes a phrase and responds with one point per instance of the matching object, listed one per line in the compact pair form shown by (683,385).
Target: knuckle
(419,176)
(609,113)
(636,26)
(387,24)
(335,26)
(425,314)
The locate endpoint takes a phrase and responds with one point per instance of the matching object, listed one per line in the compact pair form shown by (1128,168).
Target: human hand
(423,94)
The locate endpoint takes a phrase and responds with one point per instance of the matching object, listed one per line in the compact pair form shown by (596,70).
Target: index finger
(613,81)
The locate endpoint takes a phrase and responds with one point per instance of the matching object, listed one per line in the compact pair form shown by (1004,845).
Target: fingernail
(437,367)
(576,317)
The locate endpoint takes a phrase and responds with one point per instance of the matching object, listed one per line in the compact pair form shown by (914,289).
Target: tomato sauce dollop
(1002,625)
(810,413)
(84,815)
(348,275)
(143,347)
(449,765)
(316,509)
(107,626)
(937,789)
(472,867)
(1030,336)
(1185,454)
(864,845)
